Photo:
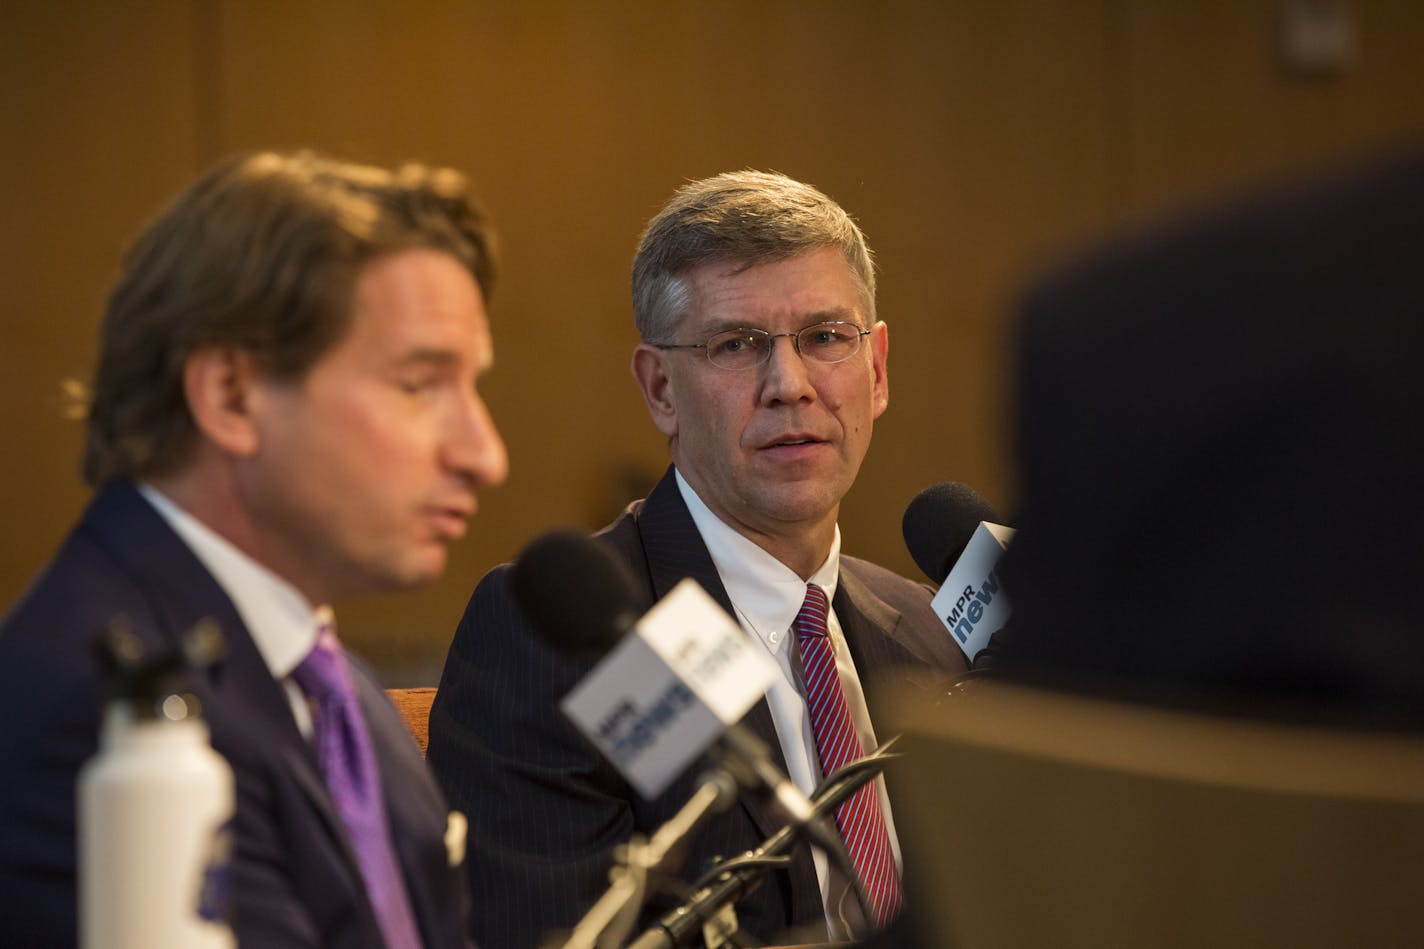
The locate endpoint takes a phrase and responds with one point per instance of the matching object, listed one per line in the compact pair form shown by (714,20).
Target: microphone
(597,609)
(953,535)
(939,523)
(671,681)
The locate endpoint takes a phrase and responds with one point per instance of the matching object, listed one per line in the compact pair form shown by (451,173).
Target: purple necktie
(859,819)
(348,763)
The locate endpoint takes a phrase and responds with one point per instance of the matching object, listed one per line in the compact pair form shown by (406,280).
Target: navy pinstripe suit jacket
(546,810)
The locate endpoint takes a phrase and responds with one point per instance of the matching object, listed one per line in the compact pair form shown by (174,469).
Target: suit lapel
(415,811)
(240,697)
(178,588)
(402,798)
(675,550)
(673,546)
(303,771)
(301,768)
(871,628)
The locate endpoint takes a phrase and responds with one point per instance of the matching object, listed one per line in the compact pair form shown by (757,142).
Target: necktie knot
(811,621)
(323,674)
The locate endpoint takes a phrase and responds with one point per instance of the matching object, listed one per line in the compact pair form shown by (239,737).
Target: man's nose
(786,376)
(473,445)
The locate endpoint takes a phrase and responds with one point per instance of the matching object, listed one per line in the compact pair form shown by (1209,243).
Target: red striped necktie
(859,818)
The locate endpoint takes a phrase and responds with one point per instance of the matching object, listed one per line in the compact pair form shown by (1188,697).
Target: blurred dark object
(1221,436)
(1084,822)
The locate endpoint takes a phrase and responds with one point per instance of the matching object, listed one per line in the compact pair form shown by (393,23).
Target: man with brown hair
(283,414)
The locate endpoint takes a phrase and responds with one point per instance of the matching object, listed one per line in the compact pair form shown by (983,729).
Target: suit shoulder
(493,595)
(888,584)
(73,599)
(623,537)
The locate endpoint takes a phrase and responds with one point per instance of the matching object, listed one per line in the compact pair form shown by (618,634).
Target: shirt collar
(765,592)
(279,619)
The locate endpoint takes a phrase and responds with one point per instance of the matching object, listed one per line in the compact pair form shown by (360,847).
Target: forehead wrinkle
(806,320)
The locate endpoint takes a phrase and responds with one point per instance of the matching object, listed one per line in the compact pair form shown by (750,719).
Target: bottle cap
(156,686)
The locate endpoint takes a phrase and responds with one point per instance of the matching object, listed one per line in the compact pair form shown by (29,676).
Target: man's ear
(650,372)
(879,358)
(218,383)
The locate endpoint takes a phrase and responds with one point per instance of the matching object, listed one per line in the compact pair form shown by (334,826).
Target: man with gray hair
(764,364)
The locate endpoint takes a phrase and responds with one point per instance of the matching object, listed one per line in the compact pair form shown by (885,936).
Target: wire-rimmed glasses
(741,349)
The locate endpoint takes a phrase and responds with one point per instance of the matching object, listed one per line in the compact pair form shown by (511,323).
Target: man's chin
(800,504)
(411,573)
(427,569)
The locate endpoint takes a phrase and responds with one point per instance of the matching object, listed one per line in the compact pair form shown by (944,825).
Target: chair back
(414,707)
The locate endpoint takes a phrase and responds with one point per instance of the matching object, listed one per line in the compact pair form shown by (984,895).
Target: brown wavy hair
(261,253)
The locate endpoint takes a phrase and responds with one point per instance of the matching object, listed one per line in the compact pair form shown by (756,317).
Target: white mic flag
(971,601)
(665,692)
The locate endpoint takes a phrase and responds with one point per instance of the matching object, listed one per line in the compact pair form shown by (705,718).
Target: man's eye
(415,386)
(827,335)
(733,344)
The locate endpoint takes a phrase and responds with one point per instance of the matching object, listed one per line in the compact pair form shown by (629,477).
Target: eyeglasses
(742,349)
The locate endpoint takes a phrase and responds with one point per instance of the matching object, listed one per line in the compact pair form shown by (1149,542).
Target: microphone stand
(607,924)
(729,880)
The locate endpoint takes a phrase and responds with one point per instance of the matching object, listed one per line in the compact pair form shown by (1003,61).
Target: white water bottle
(155,816)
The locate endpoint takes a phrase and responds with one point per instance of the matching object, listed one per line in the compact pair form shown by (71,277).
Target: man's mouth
(793,441)
(451,520)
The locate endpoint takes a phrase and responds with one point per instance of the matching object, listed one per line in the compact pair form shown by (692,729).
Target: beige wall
(973,140)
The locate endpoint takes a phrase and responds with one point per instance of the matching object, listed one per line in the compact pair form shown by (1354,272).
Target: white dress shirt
(767,596)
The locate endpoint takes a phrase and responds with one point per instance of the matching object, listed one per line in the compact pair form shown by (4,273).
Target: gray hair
(742,217)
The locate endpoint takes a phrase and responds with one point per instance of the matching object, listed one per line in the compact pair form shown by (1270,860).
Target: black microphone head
(939,522)
(577,596)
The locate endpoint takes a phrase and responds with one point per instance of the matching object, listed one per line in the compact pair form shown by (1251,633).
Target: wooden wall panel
(962,136)
(974,140)
(97,107)
(1208,108)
